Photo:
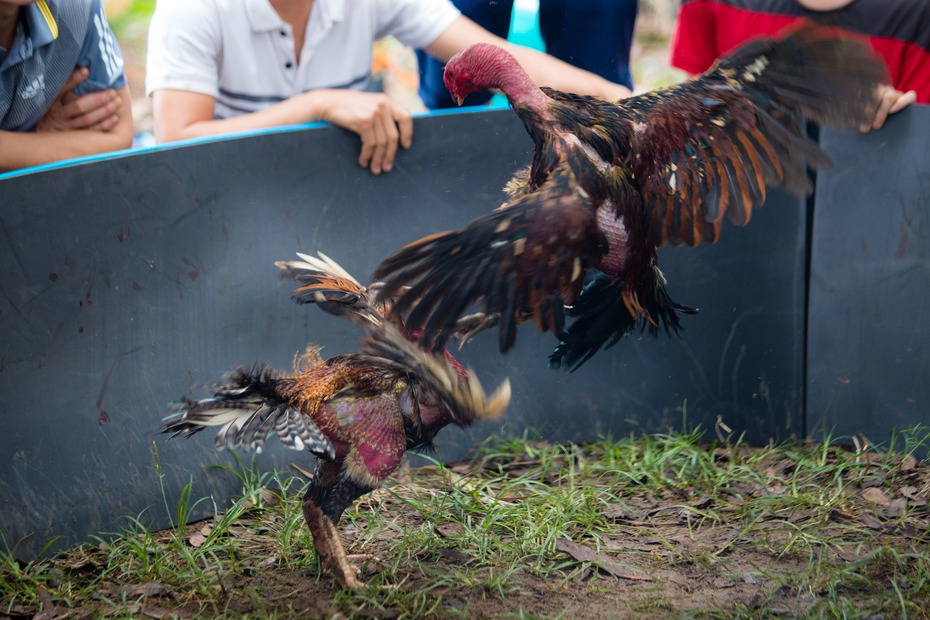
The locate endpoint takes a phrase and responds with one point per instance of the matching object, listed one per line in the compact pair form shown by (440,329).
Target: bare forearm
(545,70)
(549,71)
(304,108)
(23,150)
(34,148)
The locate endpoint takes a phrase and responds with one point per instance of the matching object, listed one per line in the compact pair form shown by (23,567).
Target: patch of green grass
(795,530)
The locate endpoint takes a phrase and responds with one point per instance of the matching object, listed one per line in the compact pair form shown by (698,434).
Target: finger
(887,100)
(377,157)
(90,102)
(106,124)
(391,137)
(95,114)
(404,125)
(908,98)
(77,76)
(368,139)
(883,91)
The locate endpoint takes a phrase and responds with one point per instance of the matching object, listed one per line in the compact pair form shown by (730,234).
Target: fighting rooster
(358,413)
(609,182)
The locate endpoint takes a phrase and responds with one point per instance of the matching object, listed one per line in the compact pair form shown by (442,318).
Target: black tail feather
(246,408)
(601,319)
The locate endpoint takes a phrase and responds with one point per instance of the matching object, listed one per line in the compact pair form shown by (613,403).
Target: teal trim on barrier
(158,147)
(229,136)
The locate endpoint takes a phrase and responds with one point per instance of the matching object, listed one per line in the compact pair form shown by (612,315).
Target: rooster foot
(345,572)
(329,547)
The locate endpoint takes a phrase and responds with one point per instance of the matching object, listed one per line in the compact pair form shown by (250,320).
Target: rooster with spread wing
(611,181)
(358,413)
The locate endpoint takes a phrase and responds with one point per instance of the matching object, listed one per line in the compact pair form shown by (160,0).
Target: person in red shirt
(899,30)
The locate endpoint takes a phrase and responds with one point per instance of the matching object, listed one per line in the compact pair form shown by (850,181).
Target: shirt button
(288,65)
(283,33)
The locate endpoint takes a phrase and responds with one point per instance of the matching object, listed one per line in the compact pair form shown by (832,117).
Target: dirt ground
(639,575)
(664,552)
(660,559)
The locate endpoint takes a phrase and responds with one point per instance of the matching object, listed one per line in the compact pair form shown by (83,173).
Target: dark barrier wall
(869,347)
(129,281)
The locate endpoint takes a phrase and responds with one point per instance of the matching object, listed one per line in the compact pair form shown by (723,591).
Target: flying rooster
(611,181)
(358,413)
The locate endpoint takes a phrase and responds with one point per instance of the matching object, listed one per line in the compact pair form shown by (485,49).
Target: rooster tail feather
(247,407)
(602,318)
(333,289)
(459,388)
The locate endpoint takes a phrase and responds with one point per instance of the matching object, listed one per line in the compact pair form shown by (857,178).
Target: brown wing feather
(710,146)
(522,261)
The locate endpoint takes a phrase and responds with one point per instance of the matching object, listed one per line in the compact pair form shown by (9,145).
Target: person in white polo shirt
(220,66)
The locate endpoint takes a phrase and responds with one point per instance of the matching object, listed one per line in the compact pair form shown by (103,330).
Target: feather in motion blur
(358,413)
(609,182)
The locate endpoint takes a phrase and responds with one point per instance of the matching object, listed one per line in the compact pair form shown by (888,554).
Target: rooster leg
(330,493)
(329,546)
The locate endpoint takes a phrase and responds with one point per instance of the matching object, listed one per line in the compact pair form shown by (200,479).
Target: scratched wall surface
(868,361)
(130,281)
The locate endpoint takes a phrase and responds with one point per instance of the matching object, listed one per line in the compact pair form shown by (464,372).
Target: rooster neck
(523,93)
(494,68)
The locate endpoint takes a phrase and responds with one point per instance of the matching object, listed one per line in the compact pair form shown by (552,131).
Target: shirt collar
(263,17)
(331,11)
(40,23)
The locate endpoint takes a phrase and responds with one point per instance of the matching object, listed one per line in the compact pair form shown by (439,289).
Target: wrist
(316,105)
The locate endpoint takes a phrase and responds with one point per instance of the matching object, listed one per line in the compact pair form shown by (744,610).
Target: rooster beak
(459,100)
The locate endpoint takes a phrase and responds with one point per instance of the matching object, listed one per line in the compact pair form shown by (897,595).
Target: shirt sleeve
(416,23)
(185,47)
(693,47)
(101,54)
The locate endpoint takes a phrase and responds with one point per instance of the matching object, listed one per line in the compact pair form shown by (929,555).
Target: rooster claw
(343,571)
(347,569)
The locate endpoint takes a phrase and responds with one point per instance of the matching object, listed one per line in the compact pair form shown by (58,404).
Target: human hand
(380,122)
(69,112)
(890,101)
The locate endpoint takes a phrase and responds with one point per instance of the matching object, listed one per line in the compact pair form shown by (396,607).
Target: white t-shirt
(242,53)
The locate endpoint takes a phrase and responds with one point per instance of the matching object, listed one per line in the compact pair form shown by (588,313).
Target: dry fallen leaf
(876,495)
(685,541)
(897,507)
(267,497)
(197,538)
(871,522)
(145,589)
(583,553)
(454,556)
(175,614)
(619,512)
(445,530)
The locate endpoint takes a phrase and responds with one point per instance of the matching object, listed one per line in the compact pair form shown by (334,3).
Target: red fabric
(708,29)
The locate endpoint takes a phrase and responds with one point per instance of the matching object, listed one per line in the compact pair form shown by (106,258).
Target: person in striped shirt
(63,92)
